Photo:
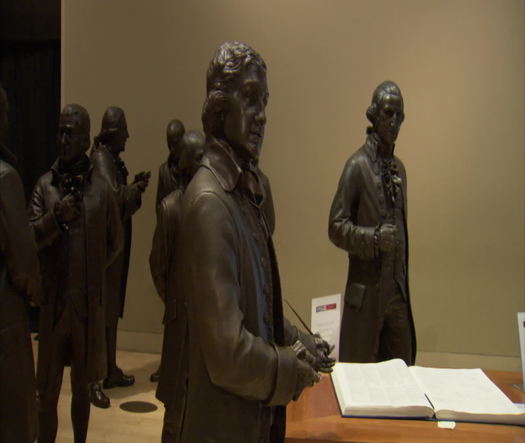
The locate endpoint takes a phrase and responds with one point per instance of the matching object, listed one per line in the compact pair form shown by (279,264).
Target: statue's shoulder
(399,162)
(360,158)
(163,169)
(171,200)
(100,154)
(362,153)
(6,169)
(205,191)
(169,207)
(9,178)
(203,181)
(45,179)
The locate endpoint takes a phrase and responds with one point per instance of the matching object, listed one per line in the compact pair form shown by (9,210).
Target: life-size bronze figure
(19,283)
(78,231)
(162,264)
(368,219)
(169,171)
(107,163)
(240,368)
(168,214)
(170,178)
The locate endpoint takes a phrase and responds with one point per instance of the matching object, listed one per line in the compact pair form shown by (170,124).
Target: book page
(466,394)
(379,389)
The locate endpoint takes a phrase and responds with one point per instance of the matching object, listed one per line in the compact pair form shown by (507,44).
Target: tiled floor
(114,425)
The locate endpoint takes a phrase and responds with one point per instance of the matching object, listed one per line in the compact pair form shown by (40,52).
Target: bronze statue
(107,163)
(169,179)
(237,368)
(78,231)
(368,220)
(19,284)
(163,266)
(162,251)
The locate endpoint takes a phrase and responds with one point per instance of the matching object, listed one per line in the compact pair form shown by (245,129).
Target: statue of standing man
(368,220)
(19,283)
(243,361)
(169,171)
(106,160)
(77,229)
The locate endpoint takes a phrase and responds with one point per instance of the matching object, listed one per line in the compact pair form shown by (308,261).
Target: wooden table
(316,418)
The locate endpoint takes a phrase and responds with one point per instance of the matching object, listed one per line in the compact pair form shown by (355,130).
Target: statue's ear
(371,113)
(222,104)
(215,109)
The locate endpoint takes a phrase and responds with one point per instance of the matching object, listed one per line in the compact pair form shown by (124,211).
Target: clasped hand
(142,180)
(313,357)
(68,208)
(387,237)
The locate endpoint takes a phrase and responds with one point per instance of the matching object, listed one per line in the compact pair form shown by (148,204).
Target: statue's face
(72,139)
(389,117)
(245,117)
(175,145)
(189,161)
(191,155)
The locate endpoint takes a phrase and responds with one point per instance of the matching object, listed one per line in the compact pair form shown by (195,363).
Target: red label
(328,307)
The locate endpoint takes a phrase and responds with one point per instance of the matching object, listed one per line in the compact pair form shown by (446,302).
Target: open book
(392,389)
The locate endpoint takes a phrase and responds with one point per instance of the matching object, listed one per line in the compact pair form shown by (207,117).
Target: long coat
(163,271)
(240,370)
(359,207)
(103,243)
(168,182)
(129,201)
(19,282)
(171,388)
(162,256)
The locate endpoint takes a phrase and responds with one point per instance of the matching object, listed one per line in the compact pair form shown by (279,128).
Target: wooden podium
(315,418)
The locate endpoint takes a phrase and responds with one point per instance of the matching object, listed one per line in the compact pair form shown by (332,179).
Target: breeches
(377,330)
(66,343)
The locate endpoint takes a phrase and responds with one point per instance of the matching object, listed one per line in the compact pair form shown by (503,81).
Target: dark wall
(30,20)
(30,74)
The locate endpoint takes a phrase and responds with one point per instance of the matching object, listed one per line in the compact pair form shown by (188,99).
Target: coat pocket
(354,295)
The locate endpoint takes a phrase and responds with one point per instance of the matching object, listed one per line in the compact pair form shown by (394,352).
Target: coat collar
(373,145)
(223,166)
(55,172)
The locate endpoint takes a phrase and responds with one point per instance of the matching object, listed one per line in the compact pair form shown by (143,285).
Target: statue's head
(114,130)
(174,133)
(73,133)
(237,94)
(4,110)
(191,154)
(386,111)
